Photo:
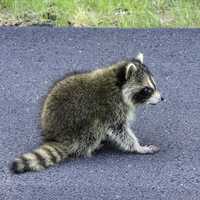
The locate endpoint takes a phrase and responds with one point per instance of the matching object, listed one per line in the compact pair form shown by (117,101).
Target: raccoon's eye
(147,91)
(144,94)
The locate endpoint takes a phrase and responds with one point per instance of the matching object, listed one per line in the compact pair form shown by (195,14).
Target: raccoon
(84,109)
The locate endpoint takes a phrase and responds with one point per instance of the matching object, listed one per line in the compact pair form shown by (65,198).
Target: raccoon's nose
(162,99)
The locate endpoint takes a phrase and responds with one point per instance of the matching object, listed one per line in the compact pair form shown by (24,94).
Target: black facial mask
(144,94)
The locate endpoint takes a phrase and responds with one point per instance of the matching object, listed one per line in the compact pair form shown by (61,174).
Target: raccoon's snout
(155,98)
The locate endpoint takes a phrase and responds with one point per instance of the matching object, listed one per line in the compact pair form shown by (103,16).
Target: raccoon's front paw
(152,149)
(147,149)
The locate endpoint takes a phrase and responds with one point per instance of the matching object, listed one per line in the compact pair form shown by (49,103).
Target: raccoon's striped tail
(43,157)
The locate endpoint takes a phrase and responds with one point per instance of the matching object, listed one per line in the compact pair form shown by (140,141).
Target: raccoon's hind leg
(95,146)
(123,136)
(43,157)
(91,139)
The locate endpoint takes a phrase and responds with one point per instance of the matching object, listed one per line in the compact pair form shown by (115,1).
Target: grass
(102,13)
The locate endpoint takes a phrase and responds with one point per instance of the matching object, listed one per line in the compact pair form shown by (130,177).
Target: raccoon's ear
(140,57)
(130,70)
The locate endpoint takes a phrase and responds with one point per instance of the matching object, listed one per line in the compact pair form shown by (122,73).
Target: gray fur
(84,109)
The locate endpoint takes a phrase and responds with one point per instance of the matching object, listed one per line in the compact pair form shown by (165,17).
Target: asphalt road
(31,59)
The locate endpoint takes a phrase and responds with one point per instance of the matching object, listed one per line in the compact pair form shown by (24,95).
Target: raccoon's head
(140,86)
